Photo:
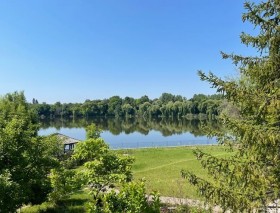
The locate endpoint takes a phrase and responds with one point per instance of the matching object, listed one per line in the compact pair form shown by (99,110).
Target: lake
(136,133)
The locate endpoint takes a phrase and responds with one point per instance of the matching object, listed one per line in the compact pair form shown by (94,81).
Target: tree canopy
(167,105)
(25,158)
(250,178)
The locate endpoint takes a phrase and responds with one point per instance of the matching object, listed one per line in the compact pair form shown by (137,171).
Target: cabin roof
(66,139)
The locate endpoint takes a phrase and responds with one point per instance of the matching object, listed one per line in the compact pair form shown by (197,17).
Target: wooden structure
(68,142)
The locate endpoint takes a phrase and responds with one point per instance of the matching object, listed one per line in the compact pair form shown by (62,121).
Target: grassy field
(161,168)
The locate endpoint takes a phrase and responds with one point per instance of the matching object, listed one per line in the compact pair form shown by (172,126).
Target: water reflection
(116,126)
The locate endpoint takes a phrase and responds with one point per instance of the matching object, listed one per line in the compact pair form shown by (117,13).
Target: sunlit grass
(161,168)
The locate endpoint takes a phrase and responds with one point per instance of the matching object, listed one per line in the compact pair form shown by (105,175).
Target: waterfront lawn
(161,168)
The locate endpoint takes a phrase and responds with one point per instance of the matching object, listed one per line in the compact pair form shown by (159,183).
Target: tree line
(167,105)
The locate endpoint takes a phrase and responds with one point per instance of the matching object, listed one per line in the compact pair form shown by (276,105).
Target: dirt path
(189,202)
(272,208)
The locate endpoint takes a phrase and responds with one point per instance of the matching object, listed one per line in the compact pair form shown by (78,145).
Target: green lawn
(161,168)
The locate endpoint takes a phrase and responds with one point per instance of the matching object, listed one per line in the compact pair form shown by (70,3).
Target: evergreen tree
(250,178)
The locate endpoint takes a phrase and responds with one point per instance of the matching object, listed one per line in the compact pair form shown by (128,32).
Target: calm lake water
(136,133)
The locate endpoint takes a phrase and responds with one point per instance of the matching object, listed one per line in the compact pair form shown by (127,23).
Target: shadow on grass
(69,205)
(73,202)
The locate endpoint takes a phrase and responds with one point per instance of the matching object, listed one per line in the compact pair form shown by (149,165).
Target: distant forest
(200,106)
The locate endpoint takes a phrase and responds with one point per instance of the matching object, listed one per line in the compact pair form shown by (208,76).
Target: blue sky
(70,51)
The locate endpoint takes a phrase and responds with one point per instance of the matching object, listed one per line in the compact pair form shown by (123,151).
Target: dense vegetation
(250,179)
(167,105)
(25,158)
(35,169)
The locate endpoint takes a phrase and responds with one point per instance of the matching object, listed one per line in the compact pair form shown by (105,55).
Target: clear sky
(70,51)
